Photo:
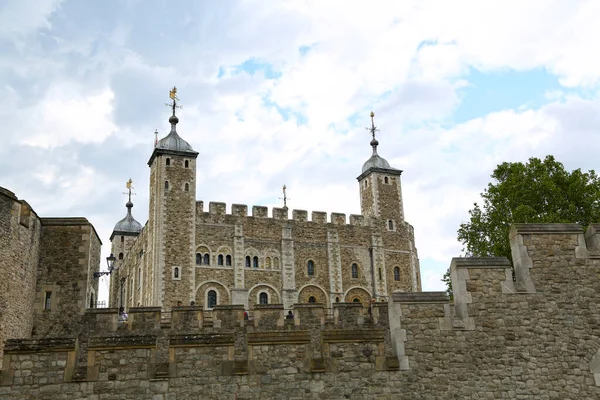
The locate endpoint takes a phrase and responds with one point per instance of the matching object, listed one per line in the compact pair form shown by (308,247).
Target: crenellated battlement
(280,214)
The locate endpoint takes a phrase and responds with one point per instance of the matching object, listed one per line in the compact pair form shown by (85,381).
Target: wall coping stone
(480,262)
(519,229)
(420,297)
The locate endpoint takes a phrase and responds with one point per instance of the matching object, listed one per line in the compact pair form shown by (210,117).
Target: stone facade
(186,253)
(537,337)
(46,271)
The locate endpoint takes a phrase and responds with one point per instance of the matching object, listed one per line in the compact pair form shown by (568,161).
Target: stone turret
(122,239)
(171,223)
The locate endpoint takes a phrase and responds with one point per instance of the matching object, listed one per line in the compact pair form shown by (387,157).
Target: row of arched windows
(204,259)
(186,187)
(186,163)
(269,262)
(310,270)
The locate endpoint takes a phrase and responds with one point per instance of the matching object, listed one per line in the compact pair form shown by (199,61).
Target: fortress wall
(496,339)
(20,231)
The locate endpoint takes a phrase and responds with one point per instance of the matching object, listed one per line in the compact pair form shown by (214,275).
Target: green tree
(535,192)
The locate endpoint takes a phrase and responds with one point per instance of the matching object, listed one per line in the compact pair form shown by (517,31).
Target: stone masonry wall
(534,338)
(19,254)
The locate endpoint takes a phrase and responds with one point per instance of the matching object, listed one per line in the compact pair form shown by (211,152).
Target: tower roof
(376,162)
(172,143)
(128,225)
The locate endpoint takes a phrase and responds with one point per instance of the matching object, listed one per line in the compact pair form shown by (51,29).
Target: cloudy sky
(278,92)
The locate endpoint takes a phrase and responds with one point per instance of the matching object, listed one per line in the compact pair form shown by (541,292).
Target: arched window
(187,187)
(337,299)
(92,303)
(312,299)
(263,298)
(206,259)
(380,276)
(354,271)
(186,164)
(386,180)
(396,274)
(255,262)
(228,260)
(268,263)
(176,272)
(356,300)
(168,162)
(310,268)
(166,185)
(248,261)
(391,225)
(120,256)
(220,259)
(122,239)
(198,258)
(211,299)
(275,263)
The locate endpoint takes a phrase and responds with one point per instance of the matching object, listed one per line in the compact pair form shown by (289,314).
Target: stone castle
(536,336)
(185,254)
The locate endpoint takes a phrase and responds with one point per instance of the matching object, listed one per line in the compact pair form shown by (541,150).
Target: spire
(173,120)
(374,143)
(128,225)
(173,141)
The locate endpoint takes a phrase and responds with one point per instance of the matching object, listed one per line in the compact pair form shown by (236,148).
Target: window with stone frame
(220,259)
(187,187)
(263,298)
(390,225)
(206,259)
(248,261)
(176,272)
(168,161)
(198,259)
(386,180)
(120,256)
(310,268)
(255,262)
(48,301)
(166,185)
(228,260)
(312,299)
(211,299)
(396,274)
(268,262)
(186,164)
(354,271)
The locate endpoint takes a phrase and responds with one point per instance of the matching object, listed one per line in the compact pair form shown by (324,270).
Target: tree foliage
(535,192)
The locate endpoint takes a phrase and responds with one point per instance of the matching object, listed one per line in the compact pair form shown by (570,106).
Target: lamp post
(110,261)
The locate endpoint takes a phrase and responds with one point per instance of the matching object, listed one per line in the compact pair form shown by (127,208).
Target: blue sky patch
(510,89)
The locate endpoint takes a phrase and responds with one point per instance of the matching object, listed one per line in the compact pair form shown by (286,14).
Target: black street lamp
(110,260)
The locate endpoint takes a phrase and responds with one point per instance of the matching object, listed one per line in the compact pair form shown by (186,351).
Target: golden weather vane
(173,96)
(129,186)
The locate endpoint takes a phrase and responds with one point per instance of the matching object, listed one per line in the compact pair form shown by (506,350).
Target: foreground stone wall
(534,338)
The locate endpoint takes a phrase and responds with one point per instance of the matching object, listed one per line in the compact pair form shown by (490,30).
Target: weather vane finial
(173,96)
(372,128)
(129,186)
(284,198)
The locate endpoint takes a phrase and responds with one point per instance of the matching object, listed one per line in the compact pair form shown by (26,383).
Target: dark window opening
(186,164)
(354,271)
(168,161)
(187,187)
(92,303)
(212,299)
(176,273)
(198,258)
(228,260)
(263,298)
(380,278)
(48,301)
(386,180)
(206,259)
(310,268)
(248,261)
(122,239)
(391,225)
(166,185)
(337,299)
(356,300)
(120,256)
(396,274)
(220,259)
(255,262)
(312,299)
